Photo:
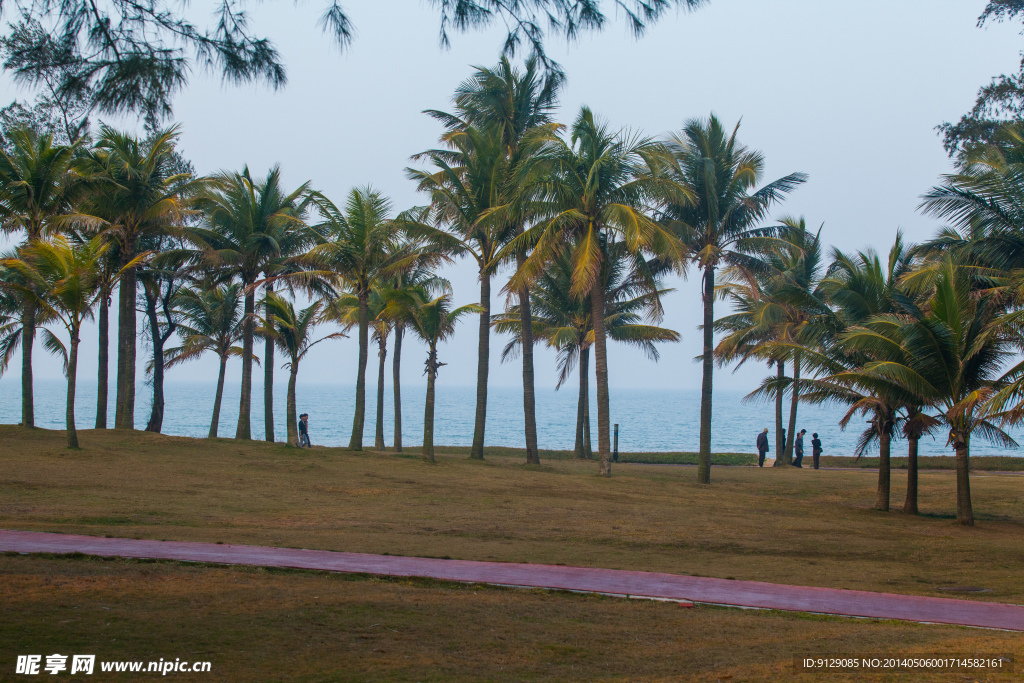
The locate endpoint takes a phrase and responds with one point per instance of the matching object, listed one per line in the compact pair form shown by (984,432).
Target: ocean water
(649,420)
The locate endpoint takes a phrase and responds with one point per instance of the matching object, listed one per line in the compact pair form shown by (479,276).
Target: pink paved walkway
(613,581)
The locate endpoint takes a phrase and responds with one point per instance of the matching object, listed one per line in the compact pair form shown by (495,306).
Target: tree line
(592,219)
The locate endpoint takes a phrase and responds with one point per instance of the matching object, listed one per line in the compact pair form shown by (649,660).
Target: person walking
(762,447)
(304,431)
(815,449)
(799,449)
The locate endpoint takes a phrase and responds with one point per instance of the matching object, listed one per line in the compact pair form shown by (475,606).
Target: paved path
(591,580)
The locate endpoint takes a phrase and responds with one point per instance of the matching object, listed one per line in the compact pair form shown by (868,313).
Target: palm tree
(563,321)
(467,187)
(952,349)
(138,190)
(778,307)
(364,247)
(63,279)
(514,106)
(210,320)
(292,331)
(345,310)
(433,321)
(712,205)
(248,222)
(596,196)
(39,186)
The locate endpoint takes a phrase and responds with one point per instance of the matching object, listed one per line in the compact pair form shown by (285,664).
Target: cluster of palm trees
(590,220)
(922,341)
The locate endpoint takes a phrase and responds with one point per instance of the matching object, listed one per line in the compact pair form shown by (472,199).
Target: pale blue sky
(846,92)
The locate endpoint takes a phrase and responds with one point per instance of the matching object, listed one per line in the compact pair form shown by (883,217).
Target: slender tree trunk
(604,448)
(529,391)
(102,363)
(706,393)
(124,411)
(396,373)
(156,414)
(28,337)
(291,412)
(428,409)
(794,402)
(964,511)
(215,421)
(910,505)
(244,428)
(356,442)
(482,367)
(884,472)
(382,353)
(581,410)
(268,383)
(72,433)
(780,442)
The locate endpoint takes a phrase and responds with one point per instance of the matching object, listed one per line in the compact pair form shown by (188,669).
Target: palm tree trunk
(787,458)
(396,373)
(428,409)
(529,391)
(780,442)
(124,410)
(356,442)
(884,471)
(291,412)
(910,504)
(604,448)
(706,394)
(156,413)
(72,433)
(215,421)
(964,512)
(268,382)
(382,353)
(581,409)
(28,337)
(103,362)
(482,367)
(244,428)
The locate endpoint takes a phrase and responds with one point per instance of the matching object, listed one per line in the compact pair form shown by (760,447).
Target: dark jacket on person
(816,446)
(799,444)
(762,442)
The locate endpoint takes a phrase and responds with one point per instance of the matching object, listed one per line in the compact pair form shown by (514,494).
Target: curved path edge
(654,585)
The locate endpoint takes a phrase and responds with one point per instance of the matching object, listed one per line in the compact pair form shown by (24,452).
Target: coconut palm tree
(596,195)
(712,204)
(292,332)
(137,189)
(39,187)
(62,277)
(563,321)
(515,105)
(469,183)
(433,321)
(953,348)
(364,246)
(247,222)
(209,320)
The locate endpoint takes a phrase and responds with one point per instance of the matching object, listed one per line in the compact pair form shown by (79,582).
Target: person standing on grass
(762,447)
(304,431)
(815,449)
(799,448)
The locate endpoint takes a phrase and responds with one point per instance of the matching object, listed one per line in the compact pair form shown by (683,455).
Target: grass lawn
(783,525)
(280,625)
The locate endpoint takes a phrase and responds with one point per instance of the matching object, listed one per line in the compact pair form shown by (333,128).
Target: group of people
(798,448)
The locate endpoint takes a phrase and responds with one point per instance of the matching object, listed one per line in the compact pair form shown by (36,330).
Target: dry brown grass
(789,526)
(273,625)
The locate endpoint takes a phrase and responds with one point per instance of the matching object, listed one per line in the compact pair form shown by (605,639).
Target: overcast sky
(849,93)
